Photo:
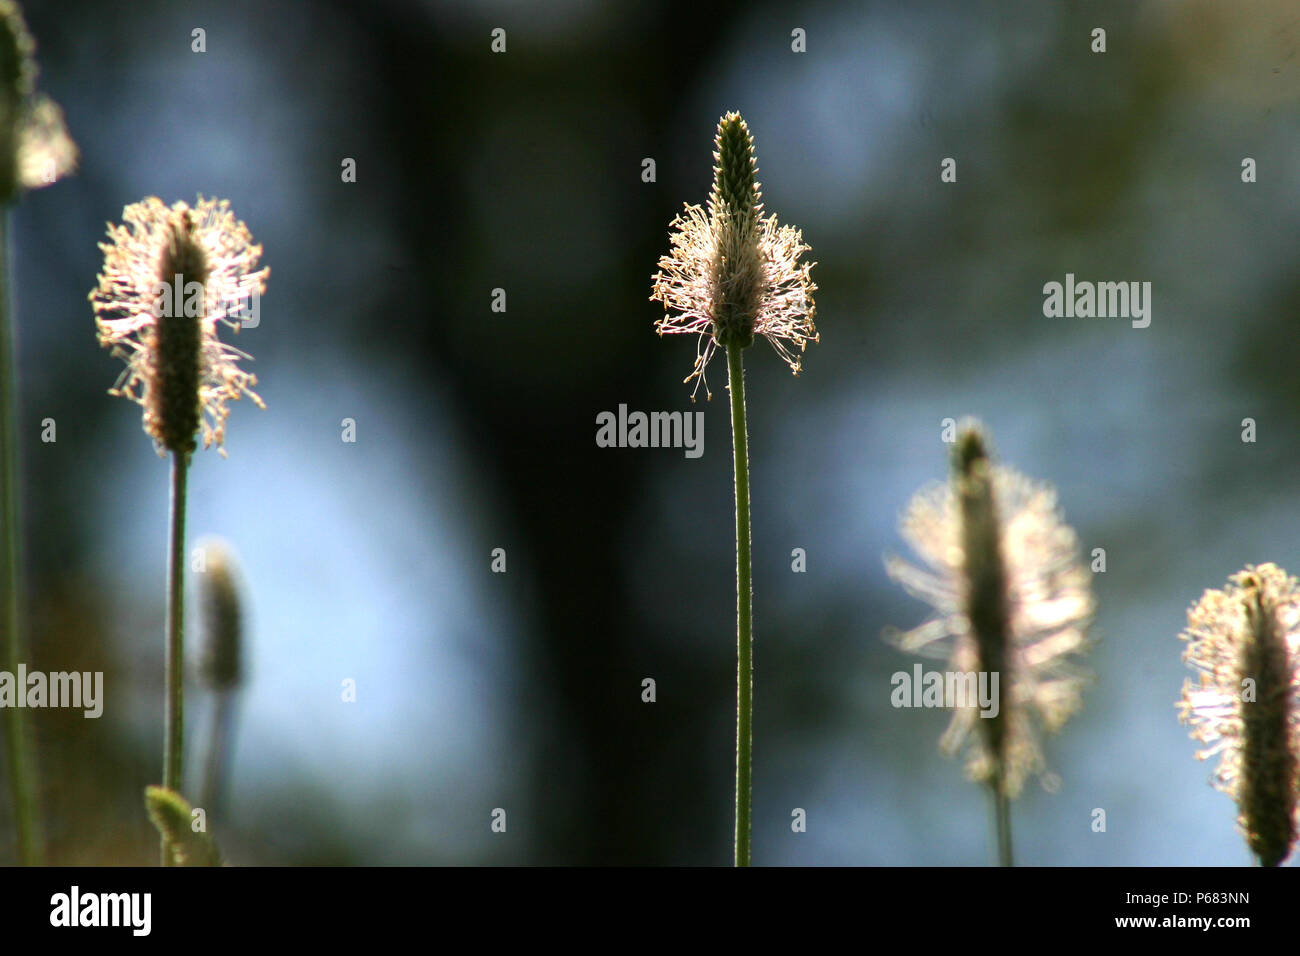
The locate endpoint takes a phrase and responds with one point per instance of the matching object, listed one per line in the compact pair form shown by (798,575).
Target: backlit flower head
(35,148)
(171,276)
(1244,642)
(732,274)
(1001,570)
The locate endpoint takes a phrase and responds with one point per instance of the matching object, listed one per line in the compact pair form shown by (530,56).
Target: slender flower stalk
(732,275)
(174,717)
(171,276)
(1012,603)
(1244,643)
(744,611)
(22,771)
(35,150)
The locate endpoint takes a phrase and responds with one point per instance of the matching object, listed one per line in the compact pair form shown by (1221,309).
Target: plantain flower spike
(171,277)
(1000,568)
(731,273)
(1244,643)
(35,148)
(220,654)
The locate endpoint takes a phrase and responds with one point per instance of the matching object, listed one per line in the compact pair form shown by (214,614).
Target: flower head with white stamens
(1244,643)
(177,368)
(1010,596)
(732,274)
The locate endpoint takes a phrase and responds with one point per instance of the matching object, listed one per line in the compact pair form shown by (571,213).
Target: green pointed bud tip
(971,449)
(169,812)
(735,181)
(173,816)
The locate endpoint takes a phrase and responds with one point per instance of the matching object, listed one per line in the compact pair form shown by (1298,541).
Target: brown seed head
(173,411)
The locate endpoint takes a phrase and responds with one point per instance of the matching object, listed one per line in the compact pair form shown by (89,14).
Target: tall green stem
(744,610)
(174,722)
(1002,819)
(22,773)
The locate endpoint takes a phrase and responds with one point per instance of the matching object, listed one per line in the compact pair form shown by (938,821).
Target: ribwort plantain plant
(171,277)
(1244,643)
(1010,598)
(730,276)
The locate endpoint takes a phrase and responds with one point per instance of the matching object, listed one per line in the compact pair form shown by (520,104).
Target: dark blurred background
(370,561)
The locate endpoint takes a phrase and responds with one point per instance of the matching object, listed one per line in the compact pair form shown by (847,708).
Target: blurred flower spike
(35,148)
(1244,643)
(1010,597)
